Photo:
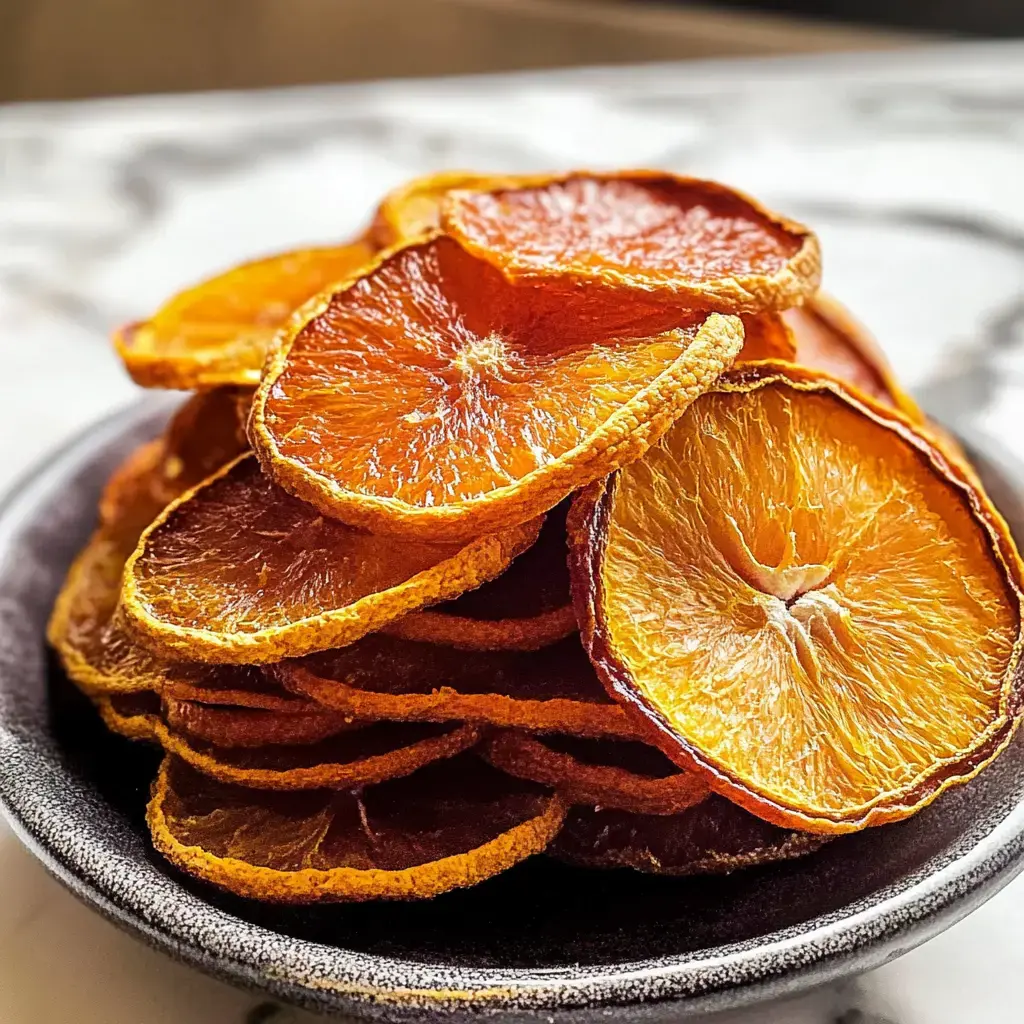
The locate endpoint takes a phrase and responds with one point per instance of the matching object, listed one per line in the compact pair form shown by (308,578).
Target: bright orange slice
(448,826)
(238,571)
(814,609)
(702,243)
(618,774)
(347,760)
(433,398)
(714,837)
(527,607)
(219,331)
(829,338)
(414,208)
(382,677)
(233,726)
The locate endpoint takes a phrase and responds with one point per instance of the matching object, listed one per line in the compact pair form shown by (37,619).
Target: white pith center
(480,353)
(796,597)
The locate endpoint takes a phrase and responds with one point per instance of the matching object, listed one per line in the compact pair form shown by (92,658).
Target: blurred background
(56,49)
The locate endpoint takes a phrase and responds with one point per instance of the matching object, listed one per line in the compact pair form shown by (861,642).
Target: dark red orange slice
(706,245)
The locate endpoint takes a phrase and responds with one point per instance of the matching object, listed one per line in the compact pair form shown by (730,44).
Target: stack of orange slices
(553,513)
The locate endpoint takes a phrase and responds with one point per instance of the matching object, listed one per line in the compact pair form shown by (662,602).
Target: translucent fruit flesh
(707,245)
(767,336)
(382,677)
(447,826)
(201,436)
(219,331)
(824,618)
(433,398)
(86,627)
(241,572)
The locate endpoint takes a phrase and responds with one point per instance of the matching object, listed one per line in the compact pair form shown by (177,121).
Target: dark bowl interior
(540,938)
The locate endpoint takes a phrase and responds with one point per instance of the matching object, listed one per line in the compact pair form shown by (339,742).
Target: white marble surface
(911,167)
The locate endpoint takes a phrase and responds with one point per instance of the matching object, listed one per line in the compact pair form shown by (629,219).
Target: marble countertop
(909,165)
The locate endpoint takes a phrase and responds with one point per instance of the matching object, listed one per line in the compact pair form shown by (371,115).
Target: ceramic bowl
(543,940)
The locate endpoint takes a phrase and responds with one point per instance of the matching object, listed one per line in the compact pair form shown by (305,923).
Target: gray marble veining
(909,166)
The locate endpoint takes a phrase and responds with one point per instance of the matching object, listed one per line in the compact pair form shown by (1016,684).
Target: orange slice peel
(234,726)
(346,760)
(829,338)
(613,774)
(414,208)
(525,608)
(550,690)
(134,716)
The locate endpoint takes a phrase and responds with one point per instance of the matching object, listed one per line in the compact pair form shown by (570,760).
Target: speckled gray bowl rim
(76,838)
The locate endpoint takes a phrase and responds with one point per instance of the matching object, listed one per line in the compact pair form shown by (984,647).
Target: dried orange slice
(527,607)
(767,336)
(134,493)
(414,208)
(347,760)
(86,629)
(238,571)
(135,716)
(619,774)
(702,243)
(433,398)
(713,837)
(218,332)
(829,338)
(382,677)
(90,651)
(233,726)
(202,436)
(103,659)
(834,635)
(227,686)
(448,826)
